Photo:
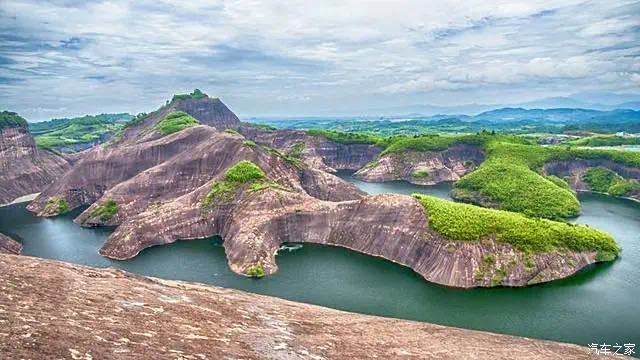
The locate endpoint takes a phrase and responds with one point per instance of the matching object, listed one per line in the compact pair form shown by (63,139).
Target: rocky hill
(171,177)
(24,168)
(56,310)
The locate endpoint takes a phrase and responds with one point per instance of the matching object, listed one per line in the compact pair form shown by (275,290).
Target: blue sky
(60,58)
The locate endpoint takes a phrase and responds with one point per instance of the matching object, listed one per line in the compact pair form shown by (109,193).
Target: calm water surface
(600,304)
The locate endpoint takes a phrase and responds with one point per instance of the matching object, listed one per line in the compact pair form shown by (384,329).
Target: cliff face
(255,224)
(573,170)
(424,168)
(153,188)
(56,310)
(25,169)
(316,151)
(9,246)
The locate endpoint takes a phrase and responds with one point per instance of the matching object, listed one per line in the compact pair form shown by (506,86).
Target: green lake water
(595,306)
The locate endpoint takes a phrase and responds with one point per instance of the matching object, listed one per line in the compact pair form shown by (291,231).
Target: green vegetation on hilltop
(175,121)
(510,178)
(463,222)
(10,119)
(87,129)
(348,137)
(196,94)
(106,210)
(607,181)
(606,141)
(421,143)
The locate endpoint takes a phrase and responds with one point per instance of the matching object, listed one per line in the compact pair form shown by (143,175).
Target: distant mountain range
(592,101)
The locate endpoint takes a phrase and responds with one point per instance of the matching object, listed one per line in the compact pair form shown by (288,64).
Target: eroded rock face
(424,168)
(154,187)
(394,227)
(575,169)
(317,151)
(9,246)
(25,169)
(84,313)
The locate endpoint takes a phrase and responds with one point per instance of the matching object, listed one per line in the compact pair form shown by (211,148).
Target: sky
(287,58)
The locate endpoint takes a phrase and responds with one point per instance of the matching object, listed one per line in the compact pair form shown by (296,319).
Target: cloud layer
(298,57)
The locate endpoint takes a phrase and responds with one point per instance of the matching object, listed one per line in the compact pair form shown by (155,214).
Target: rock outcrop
(424,168)
(9,246)
(158,189)
(24,168)
(51,309)
(573,171)
(316,151)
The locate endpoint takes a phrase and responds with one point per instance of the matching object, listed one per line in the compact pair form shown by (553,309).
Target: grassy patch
(175,121)
(421,174)
(106,210)
(243,173)
(463,222)
(256,271)
(249,143)
(232,131)
(57,205)
(607,181)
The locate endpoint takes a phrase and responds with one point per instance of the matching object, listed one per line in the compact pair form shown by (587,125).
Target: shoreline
(22,199)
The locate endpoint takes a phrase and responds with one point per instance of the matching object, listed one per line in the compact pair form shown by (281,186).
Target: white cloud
(133,54)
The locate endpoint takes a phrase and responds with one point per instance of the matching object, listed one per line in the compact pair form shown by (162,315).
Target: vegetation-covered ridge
(510,179)
(607,181)
(175,121)
(58,133)
(463,222)
(10,119)
(601,140)
(243,174)
(196,94)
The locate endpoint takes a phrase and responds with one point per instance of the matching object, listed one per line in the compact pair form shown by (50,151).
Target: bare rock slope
(56,310)
(9,246)
(24,168)
(160,188)
(424,168)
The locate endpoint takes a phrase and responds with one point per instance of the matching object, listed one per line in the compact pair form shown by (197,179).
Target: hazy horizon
(68,58)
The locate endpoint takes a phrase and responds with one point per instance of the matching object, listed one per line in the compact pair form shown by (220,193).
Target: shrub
(421,174)
(57,205)
(256,271)
(249,143)
(463,222)
(175,121)
(296,150)
(106,210)
(196,94)
(243,172)
(10,119)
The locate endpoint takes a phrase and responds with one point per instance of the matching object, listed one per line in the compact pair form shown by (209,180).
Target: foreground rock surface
(56,310)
